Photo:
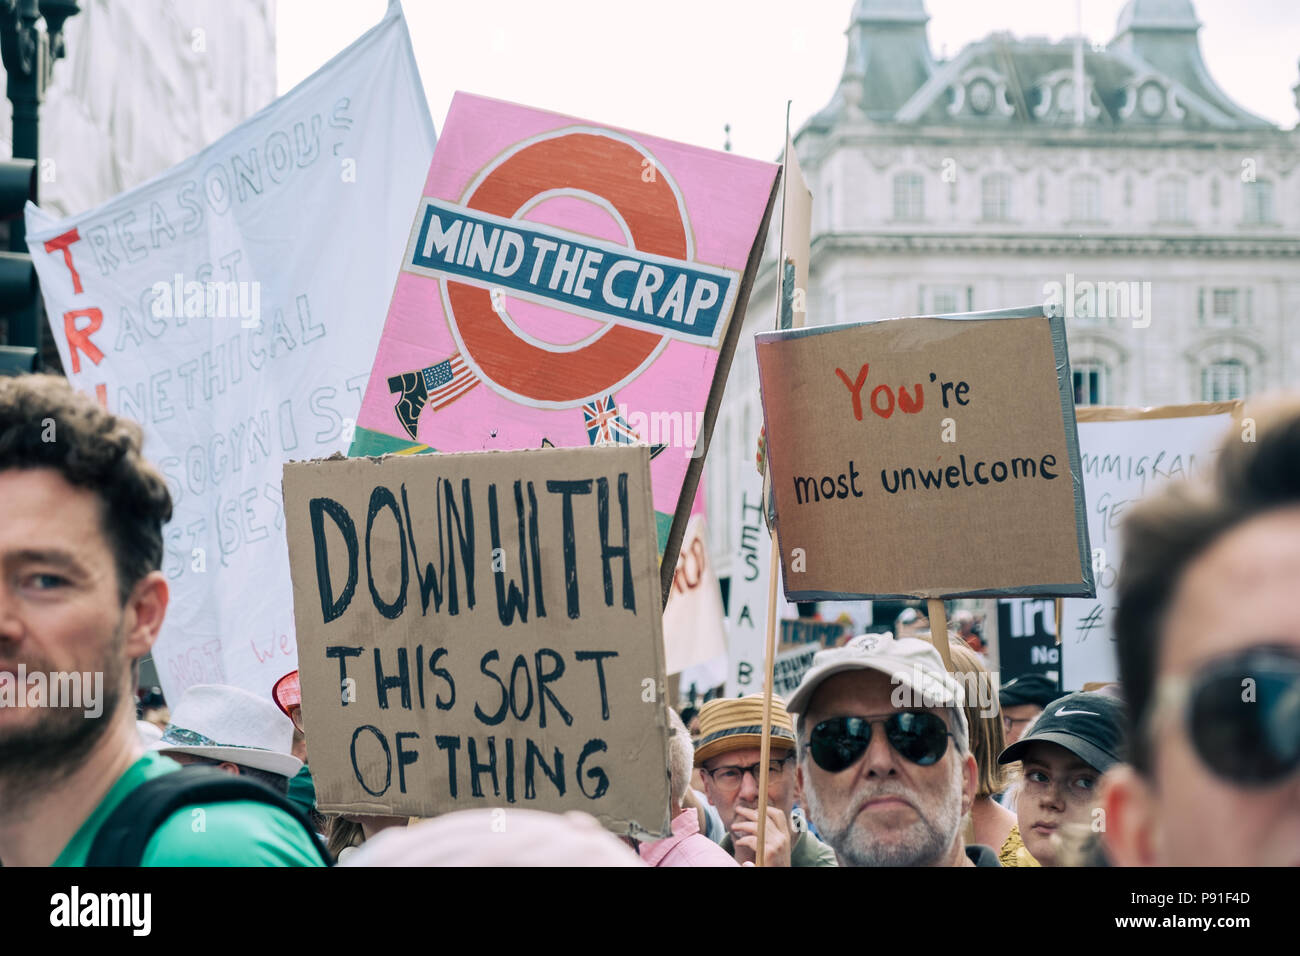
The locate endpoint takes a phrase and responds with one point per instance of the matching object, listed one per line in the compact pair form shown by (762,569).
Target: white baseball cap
(910,661)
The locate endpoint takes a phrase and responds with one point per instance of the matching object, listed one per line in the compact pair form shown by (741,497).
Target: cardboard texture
(925,457)
(1126,454)
(569,284)
(481,630)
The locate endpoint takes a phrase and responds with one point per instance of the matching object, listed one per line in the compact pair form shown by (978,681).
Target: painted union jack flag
(604,426)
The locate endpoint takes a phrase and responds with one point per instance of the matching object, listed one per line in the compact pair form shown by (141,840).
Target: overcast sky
(683,68)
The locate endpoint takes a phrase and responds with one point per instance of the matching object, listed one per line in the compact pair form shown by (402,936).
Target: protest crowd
(878,758)
(410,567)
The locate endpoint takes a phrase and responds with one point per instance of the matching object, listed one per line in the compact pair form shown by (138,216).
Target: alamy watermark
(921,689)
(675,429)
(75,689)
(1088,299)
(208,300)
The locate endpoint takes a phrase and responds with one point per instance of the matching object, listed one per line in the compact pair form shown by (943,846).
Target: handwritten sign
(481,630)
(229,307)
(1126,453)
(924,457)
(789,667)
(568,284)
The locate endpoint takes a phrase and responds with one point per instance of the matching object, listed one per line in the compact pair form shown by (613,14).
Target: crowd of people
(880,757)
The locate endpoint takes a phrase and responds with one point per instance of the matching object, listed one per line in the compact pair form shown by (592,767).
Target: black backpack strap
(121,841)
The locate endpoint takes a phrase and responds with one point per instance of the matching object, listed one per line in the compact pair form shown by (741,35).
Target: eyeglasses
(1010,723)
(728,779)
(839,743)
(1242,715)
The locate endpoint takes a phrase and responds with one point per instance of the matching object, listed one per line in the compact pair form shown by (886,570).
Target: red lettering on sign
(80,338)
(855,388)
(64,242)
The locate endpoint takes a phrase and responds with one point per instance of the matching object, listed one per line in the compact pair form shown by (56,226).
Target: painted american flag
(447,381)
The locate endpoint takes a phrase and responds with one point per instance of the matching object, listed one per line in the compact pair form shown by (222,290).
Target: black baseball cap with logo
(1090,726)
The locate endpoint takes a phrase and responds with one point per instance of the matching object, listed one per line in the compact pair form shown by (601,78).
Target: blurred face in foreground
(1056,800)
(1237,596)
(884,809)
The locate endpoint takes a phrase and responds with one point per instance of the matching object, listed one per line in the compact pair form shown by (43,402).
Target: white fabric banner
(232,306)
(747,603)
(1124,461)
(695,638)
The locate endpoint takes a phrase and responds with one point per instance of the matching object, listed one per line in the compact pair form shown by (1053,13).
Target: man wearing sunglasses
(1209,657)
(884,755)
(728,753)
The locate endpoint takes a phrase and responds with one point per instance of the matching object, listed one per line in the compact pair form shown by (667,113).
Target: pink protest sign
(568,284)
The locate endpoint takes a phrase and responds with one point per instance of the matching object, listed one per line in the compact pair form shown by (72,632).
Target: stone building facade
(1163,217)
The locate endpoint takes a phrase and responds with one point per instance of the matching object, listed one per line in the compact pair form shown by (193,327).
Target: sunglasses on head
(838,743)
(1242,715)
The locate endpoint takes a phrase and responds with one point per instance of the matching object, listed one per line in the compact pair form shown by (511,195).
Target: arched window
(1171,200)
(1257,202)
(995,205)
(1091,382)
(1225,380)
(1085,199)
(909,197)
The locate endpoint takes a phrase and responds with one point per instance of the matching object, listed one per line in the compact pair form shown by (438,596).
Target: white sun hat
(223,723)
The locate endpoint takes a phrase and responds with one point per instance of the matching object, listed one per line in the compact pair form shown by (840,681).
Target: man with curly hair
(81,593)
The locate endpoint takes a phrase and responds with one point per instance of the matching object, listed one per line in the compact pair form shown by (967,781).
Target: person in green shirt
(82,599)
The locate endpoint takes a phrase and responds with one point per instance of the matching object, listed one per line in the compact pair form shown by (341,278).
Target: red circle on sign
(608,168)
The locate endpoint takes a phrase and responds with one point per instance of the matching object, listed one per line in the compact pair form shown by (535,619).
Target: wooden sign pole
(939,630)
(769,665)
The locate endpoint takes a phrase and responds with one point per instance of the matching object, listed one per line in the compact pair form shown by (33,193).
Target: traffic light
(17,360)
(18,288)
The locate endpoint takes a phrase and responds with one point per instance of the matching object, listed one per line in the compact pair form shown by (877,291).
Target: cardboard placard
(569,284)
(925,457)
(481,630)
(1125,454)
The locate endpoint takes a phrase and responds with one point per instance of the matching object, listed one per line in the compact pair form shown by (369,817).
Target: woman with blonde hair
(988,824)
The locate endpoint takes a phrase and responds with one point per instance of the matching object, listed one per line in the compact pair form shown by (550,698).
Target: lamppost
(29,49)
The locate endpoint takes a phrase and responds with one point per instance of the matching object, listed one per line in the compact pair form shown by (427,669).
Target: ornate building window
(945,299)
(909,197)
(1257,202)
(1085,199)
(1224,306)
(1091,382)
(1224,381)
(1171,200)
(995,204)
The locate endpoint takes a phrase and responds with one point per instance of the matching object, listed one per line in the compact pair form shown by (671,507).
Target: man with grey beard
(885,766)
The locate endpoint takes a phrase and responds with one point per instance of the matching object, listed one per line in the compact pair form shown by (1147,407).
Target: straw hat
(731,723)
